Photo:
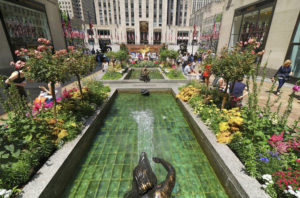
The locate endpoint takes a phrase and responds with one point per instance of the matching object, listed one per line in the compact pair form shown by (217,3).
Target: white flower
(2,192)
(268,178)
(264,186)
(5,193)
(291,191)
(297,194)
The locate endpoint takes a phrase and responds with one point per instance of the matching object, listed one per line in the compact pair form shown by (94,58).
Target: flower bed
(174,74)
(145,64)
(261,139)
(112,75)
(31,133)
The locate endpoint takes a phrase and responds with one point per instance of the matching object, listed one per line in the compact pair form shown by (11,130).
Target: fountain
(144,182)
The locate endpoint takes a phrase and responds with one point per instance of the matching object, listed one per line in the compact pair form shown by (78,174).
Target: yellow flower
(223,126)
(224,137)
(236,121)
(63,133)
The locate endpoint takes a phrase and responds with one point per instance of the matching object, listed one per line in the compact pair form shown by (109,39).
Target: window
(101,13)
(130,37)
(105,12)
(252,22)
(140,8)
(170,12)
(132,12)
(24,25)
(126,12)
(109,12)
(182,37)
(160,12)
(294,50)
(155,13)
(147,8)
(115,11)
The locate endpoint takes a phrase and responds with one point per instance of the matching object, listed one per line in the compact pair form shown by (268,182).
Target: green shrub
(111,75)
(145,64)
(175,74)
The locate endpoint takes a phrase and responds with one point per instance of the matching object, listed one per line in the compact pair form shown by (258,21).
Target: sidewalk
(286,90)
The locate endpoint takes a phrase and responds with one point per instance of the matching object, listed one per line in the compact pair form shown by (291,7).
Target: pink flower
(250,41)
(261,52)
(296,88)
(298,161)
(12,63)
(245,43)
(257,44)
(252,52)
(40,40)
(6,126)
(47,42)
(17,52)
(41,48)
(19,64)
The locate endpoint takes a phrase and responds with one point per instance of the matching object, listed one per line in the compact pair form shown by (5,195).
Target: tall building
(207,19)
(142,22)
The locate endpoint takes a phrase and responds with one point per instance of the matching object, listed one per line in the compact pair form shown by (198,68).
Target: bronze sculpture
(144,184)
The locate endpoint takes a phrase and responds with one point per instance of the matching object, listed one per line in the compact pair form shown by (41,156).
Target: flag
(214,28)
(147,37)
(91,25)
(63,25)
(69,27)
(194,32)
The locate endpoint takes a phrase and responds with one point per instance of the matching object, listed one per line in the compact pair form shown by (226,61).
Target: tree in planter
(46,65)
(79,64)
(111,55)
(122,56)
(235,63)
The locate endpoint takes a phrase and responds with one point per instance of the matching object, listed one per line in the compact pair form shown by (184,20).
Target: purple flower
(296,88)
(260,115)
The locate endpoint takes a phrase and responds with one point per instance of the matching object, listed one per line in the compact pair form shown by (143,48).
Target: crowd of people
(190,64)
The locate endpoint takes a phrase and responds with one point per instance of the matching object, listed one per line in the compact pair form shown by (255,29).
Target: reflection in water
(145,120)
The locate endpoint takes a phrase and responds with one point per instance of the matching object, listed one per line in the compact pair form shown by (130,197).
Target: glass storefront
(24,25)
(252,22)
(294,51)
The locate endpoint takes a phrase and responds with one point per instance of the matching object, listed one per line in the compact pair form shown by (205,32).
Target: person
(237,93)
(105,66)
(195,57)
(207,73)
(58,90)
(145,75)
(18,79)
(184,61)
(98,58)
(283,74)
(219,84)
(187,69)
(93,51)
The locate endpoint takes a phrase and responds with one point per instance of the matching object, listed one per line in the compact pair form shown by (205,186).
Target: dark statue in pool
(144,184)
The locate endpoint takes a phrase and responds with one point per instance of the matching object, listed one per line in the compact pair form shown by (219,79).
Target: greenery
(121,55)
(31,134)
(46,65)
(111,75)
(260,138)
(234,63)
(145,63)
(164,54)
(79,64)
(175,74)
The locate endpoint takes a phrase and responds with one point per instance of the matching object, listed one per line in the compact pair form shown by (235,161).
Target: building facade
(142,22)
(207,20)
(274,23)
(22,22)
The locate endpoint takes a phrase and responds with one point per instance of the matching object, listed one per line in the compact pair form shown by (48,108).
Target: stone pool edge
(51,179)
(225,163)
(54,175)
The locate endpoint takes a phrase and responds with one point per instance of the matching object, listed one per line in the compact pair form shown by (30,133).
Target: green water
(154,74)
(152,124)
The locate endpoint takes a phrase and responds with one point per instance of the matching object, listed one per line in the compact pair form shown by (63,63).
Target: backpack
(215,82)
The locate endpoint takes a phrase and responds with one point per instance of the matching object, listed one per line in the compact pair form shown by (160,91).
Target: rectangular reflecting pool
(155,125)
(135,74)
